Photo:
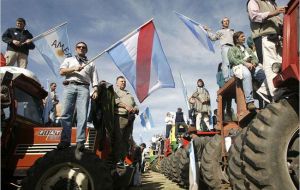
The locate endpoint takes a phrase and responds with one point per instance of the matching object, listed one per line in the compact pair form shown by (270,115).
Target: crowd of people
(247,64)
(79,76)
(252,65)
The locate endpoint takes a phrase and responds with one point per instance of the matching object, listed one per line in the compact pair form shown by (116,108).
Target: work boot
(251,106)
(63,145)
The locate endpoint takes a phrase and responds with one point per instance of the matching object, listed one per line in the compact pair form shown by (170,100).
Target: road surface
(152,181)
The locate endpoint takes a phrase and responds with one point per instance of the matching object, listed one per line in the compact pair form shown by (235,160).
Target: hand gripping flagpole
(48,32)
(117,43)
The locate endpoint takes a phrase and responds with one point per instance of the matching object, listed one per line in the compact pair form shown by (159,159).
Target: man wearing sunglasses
(79,75)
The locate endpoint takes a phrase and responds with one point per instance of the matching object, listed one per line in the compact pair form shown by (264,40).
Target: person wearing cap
(19,43)
(225,37)
(200,100)
(79,75)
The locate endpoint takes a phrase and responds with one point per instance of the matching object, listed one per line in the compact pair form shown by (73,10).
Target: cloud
(102,23)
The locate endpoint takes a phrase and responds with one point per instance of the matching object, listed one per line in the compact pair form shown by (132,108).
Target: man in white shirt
(79,75)
(266,27)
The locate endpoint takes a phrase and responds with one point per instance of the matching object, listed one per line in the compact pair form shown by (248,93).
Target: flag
(193,169)
(146,119)
(54,47)
(48,108)
(140,57)
(184,91)
(198,32)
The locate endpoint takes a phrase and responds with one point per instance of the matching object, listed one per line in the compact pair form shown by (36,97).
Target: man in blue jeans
(79,75)
(225,36)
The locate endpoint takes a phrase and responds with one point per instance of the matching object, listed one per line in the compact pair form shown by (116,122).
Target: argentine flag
(54,47)
(198,32)
(140,57)
(146,119)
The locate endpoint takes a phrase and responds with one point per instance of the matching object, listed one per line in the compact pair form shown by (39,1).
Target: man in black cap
(19,43)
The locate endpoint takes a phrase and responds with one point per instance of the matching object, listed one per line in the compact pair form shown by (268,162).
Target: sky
(101,23)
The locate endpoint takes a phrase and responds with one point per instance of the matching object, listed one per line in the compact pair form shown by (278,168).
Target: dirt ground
(152,180)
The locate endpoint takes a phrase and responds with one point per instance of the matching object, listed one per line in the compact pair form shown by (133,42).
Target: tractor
(28,145)
(261,149)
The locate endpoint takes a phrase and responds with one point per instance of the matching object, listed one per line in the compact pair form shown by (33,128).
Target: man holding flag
(225,35)
(78,75)
(19,43)
(125,110)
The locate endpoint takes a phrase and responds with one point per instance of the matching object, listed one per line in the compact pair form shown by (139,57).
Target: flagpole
(123,39)
(48,32)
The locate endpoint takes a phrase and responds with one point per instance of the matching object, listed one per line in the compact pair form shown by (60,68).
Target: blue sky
(101,23)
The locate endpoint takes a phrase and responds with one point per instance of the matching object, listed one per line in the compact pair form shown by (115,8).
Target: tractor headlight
(276,67)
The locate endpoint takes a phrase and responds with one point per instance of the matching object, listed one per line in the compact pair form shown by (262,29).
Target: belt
(66,82)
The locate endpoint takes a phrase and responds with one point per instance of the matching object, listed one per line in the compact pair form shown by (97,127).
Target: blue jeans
(247,85)
(227,73)
(74,96)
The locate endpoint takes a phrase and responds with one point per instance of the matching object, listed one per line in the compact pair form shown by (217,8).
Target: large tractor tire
(59,169)
(184,162)
(162,165)
(200,143)
(271,150)
(174,166)
(212,171)
(236,177)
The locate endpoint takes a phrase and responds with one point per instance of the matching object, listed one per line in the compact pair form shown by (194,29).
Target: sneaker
(265,97)
(63,145)
(251,106)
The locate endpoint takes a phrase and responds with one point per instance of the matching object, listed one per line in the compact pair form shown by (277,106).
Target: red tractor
(259,150)
(264,151)
(28,146)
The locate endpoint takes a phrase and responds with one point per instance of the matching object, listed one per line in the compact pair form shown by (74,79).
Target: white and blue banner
(48,108)
(198,32)
(146,119)
(193,169)
(54,47)
(184,92)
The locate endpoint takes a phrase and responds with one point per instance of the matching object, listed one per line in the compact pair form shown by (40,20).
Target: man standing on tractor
(266,28)
(200,101)
(78,75)
(19,43)
(125,110)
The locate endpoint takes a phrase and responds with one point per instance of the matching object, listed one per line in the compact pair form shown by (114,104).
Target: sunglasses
(80,47)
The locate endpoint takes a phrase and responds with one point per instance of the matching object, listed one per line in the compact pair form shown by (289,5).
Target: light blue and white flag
(146,119)
(198,32)
(48,108)
(184,91)
(140,57)
(54,46)
(193,169)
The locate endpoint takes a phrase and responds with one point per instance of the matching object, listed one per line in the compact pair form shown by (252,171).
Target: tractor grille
(35,149)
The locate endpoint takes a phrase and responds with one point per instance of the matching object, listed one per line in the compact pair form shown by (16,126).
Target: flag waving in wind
(54,46)
(184,91)
(146,119)
(198,32)
(141,59)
